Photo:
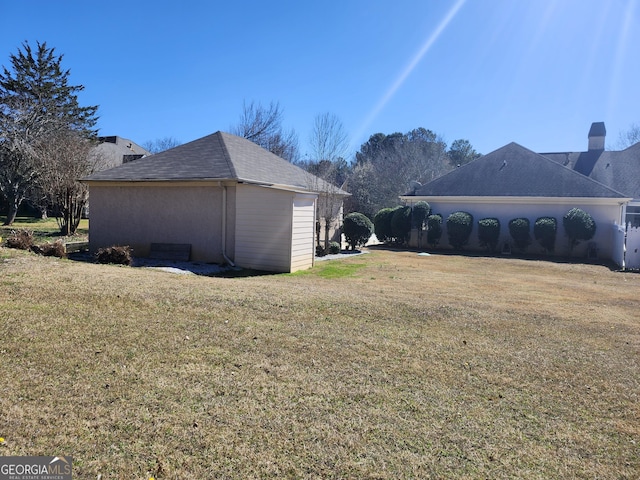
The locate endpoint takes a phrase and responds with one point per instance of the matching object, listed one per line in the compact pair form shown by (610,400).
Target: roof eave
(518,200)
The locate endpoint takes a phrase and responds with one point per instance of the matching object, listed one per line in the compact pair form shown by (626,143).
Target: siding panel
(303,230)
(263,228)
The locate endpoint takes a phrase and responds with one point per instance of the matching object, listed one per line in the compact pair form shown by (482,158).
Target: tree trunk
(14,203)
(327,226)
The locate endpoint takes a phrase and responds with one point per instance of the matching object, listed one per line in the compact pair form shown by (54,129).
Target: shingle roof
(219,156)
(515,171)
(619,170)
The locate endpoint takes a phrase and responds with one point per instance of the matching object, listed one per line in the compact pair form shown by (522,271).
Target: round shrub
(489,233)
(459,227)
(544,231)
(421,211)
(334,248)
(401,224)
(434,229)
(578,225)
(382,224)
(357,229)
(519,229)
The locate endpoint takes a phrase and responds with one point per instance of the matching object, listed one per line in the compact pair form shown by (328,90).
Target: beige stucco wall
(604,212)
(138,214)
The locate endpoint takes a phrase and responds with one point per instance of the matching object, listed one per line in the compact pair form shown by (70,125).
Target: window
(633,216)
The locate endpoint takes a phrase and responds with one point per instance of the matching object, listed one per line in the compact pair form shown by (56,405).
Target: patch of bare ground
(386,365)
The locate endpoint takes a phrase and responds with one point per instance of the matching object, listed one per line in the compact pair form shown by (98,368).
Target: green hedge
(357,229)
(489,233)
(519,229)
(544,231)
(401,224)
(420,213)
(578,225)
(382,224)
(434,229)
(459,227)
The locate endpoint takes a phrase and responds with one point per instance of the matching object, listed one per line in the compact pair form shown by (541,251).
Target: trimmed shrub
(434,229)
(489,233)
(382,224)
(421,212)
(578,225)
(357,229)
(519,229)
(320,251)
(119,255)
(544,231)
(459,227)
(334,247)
(401,224)
(21,240)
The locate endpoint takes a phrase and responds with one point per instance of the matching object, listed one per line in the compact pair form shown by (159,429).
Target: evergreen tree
(37,105)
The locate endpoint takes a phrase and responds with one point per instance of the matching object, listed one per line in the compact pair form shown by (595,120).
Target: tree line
(45,137)
(47,140)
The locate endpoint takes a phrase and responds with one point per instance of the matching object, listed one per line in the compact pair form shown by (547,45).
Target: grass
(386,365)
(43,230)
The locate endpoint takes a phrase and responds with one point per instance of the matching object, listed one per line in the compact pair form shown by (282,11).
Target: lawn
(43,230)
(385,365)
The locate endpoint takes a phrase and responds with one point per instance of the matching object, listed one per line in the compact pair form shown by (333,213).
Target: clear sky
(537,72)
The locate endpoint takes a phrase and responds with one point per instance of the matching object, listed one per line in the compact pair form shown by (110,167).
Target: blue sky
(536,72)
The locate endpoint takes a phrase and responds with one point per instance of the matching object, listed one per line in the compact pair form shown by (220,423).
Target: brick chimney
(596,136)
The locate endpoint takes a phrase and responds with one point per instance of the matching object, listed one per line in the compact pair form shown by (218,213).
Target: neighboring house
(514,182)
(113,151)
(229,199)
(619,170)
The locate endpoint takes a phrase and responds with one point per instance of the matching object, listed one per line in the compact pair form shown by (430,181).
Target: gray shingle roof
(619,170)
(219,156)
(515,171)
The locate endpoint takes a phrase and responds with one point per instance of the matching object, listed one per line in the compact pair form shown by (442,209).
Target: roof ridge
(227,156)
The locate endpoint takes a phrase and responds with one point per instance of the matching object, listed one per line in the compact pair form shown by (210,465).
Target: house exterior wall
(303,228)
(605,213)
(263,228)
(138,214)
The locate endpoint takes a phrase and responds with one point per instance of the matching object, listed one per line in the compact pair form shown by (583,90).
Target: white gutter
(224,226)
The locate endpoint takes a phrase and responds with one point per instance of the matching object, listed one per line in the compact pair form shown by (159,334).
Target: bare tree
(629,137)
(161,144)
(20,132)
(263,126)
(329,143)
(62,161)
(328,139)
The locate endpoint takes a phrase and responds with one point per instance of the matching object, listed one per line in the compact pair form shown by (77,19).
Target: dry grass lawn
(386,365)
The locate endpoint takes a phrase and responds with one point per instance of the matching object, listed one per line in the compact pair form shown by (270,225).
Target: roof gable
(219,156)
(515,171)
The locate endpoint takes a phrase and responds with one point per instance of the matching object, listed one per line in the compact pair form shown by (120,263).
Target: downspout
(224,226)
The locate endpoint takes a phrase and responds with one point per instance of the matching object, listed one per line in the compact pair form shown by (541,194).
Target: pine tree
(37,104)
